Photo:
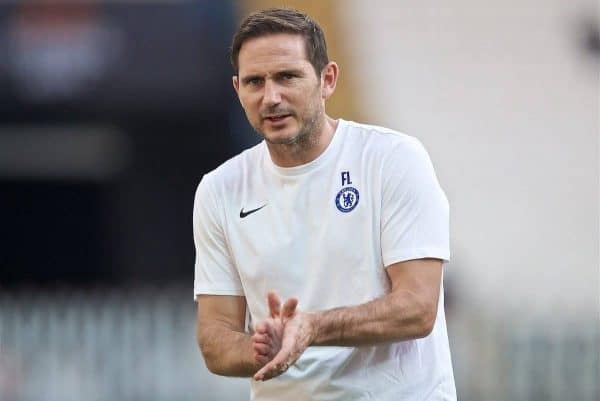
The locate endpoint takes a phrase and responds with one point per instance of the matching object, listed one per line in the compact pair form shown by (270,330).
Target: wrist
(313,319)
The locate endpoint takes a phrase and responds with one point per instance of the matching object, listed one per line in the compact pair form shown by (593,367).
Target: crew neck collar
(311,165)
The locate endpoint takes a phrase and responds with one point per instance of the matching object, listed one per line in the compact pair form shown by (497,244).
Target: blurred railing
(140,345)
(105,345)
(516,358)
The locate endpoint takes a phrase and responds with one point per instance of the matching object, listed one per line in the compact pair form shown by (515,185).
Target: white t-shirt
(324,232)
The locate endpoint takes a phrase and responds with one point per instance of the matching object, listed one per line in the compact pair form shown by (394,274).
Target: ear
(329,77)
(236,84)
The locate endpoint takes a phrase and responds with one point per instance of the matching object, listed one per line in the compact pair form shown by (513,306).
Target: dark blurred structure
(591,36)
(110,112)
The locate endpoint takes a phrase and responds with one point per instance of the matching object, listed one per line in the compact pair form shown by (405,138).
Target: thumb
(274,304)
(289,308)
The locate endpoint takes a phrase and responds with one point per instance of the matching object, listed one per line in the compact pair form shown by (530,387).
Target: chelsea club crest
(347,199)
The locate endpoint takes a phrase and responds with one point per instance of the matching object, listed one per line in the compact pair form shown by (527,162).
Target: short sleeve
(214,272)
(415,211)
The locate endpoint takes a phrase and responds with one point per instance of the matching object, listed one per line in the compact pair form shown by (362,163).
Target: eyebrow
(249,78)
(289,72)
(278,74)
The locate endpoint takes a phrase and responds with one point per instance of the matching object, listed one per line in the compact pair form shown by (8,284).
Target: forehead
(272,52)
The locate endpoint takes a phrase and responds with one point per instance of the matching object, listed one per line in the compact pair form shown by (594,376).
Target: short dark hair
(282,20)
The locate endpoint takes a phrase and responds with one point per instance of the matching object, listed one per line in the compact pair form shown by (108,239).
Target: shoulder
(227,180)
(384,142)
(232,172)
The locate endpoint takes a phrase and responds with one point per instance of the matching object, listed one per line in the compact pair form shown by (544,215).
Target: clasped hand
(280,339)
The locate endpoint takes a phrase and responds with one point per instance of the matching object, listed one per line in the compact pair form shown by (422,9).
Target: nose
(272,95)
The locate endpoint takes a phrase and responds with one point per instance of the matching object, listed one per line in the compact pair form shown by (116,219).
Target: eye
(287,77)
(254,81)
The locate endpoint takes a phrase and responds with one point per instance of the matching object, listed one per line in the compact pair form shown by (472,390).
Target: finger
(261,338)
(274,304)
(261,328)
(271,330)
(270,371)
(261,349)
(275,367)
(289,308)
(262,359)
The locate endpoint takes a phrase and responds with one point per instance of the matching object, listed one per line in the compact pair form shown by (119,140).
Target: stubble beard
(306,138)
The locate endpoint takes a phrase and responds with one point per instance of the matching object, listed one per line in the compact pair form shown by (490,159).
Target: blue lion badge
(347,199)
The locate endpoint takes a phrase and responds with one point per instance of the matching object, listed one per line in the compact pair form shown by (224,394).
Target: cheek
(252,118)
(249,107)
(312,104)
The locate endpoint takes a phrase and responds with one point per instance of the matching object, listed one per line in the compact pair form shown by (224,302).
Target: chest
(278,215)
(303,233)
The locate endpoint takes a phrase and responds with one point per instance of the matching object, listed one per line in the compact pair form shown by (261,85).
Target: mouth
(276,117)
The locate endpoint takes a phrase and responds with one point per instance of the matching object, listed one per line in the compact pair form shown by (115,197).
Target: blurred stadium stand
(138,344)
(110,112)
(105,344)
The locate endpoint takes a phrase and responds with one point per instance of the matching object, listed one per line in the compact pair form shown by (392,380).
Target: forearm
(396,316)
(227,352)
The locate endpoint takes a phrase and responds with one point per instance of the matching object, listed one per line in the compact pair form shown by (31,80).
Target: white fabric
(302,244)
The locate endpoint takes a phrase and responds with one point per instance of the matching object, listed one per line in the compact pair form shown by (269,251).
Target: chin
(281,137)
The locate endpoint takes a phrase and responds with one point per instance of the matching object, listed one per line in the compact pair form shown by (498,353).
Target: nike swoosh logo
(244,214)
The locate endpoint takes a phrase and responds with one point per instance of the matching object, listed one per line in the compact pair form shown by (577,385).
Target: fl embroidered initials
(346,178)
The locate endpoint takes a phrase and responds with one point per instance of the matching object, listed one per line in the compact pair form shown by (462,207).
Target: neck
(306,149)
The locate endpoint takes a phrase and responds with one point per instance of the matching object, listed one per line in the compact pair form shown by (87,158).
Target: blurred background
(111,112)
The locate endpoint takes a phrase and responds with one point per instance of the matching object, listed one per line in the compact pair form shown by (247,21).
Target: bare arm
(226,348)
(407,312)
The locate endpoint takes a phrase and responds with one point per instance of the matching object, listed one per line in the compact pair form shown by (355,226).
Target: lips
(276,118)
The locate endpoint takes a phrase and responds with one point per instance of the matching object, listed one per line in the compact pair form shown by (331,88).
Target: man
(344,221)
